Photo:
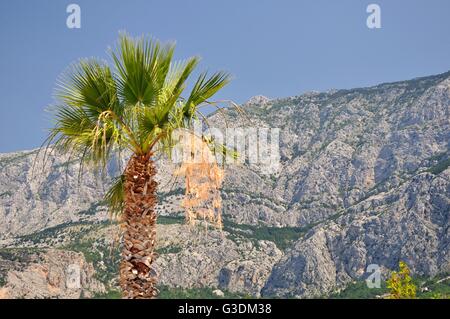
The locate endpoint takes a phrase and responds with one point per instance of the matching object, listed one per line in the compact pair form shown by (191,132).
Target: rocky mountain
(364,178)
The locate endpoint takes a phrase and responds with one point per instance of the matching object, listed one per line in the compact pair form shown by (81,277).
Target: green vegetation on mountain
(195,293)
(439,167)
(283,237)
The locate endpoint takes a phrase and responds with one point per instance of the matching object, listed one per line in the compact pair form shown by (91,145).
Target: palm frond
(142,66)
(89,84)
(75,131)
(114,198)
(176,81)
(203,89)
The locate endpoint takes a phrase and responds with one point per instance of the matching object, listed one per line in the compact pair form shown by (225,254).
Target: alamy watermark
(258,146)
(73,276)
(374,19)
(73,21)
(374,279)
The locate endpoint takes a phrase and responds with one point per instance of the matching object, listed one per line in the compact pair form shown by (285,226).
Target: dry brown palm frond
(203,178)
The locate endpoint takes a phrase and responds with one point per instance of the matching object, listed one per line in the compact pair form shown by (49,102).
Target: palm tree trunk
(137,276)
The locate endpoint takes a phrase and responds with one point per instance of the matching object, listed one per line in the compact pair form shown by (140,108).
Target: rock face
(410,223)
(35,196)
(364,178)
(49,274)
(215,260)
(257,100)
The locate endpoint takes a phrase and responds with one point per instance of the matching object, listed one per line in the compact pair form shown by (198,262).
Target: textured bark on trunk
(137,276)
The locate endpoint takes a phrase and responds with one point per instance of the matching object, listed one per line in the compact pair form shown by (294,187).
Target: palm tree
(136,105)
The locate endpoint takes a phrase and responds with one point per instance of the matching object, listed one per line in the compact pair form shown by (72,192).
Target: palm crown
(136,105)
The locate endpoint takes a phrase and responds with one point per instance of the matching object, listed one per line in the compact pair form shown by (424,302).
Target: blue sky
(275,48)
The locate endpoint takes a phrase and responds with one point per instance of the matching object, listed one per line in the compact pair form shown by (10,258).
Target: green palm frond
(176,81)
(84,123)
(76,132)
(142,69)
(203,89)
(114,198)
(89,85)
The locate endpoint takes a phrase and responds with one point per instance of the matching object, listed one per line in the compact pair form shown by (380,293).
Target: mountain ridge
(364,179)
